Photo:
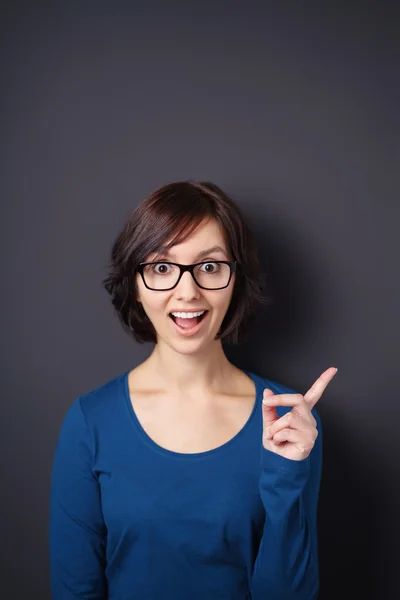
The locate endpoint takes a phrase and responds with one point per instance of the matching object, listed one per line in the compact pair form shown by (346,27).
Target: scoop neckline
(192,455)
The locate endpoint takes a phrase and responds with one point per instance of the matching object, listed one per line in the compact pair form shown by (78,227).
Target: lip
(190,332)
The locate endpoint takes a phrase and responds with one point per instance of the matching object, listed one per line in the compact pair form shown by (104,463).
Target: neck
(194,375)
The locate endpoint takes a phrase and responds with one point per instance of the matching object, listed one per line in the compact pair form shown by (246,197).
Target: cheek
(222,302)
(150,301)
(154,305)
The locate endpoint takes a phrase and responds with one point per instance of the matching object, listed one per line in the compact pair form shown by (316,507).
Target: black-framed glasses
(209,275)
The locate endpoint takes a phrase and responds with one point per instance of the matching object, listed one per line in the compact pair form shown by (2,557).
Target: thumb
(269,412)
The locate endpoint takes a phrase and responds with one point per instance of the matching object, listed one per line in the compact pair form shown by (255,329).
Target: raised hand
(293,435)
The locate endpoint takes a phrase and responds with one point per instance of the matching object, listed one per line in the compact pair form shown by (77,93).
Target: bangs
(170,218)
(179,234)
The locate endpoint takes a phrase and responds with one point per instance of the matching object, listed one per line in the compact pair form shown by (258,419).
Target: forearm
(286,567)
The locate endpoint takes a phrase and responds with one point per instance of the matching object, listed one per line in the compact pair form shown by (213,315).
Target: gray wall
(290,109)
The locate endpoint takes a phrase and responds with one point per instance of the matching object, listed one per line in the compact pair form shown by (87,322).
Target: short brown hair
(174,211)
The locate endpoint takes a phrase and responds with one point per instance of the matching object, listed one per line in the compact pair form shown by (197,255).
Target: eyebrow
(201,254)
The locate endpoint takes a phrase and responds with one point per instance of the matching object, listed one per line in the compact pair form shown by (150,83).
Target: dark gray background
(290,108)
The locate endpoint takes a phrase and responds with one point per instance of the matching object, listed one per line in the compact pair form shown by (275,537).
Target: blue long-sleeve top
(130,520)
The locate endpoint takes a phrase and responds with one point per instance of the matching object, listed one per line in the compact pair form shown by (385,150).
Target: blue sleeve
(286,567)
(77,534)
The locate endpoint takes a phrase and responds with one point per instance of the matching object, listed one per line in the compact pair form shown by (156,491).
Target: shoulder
(96,405)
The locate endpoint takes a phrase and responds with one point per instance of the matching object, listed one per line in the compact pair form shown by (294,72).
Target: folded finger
(290,419)
(287,435)
(302,442)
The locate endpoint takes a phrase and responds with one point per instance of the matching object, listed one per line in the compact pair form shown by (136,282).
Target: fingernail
(267,400)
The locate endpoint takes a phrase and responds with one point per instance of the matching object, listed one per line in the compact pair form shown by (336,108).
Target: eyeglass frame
(190,268)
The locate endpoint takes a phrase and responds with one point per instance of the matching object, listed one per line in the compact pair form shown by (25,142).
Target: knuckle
(282,434)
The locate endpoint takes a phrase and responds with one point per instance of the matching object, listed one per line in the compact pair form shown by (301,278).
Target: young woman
(174,480)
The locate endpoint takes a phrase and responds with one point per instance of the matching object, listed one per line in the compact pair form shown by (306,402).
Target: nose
(187,287)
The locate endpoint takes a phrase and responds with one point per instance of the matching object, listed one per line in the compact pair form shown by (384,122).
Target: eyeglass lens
(210,275)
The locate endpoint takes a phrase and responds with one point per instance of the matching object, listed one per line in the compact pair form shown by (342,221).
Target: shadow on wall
(347,516)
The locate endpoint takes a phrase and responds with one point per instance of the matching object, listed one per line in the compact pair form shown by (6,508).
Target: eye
(163,268)
(214,267)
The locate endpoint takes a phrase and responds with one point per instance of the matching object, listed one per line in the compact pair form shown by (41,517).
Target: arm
(286,567)
(77,534)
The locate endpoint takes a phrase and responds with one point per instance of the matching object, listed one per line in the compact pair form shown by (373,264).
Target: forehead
(206,235)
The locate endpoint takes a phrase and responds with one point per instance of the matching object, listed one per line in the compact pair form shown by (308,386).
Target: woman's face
(187,295)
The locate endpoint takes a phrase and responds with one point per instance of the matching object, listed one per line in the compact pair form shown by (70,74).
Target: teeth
(187,315)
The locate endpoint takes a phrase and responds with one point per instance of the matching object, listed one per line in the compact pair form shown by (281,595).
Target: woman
(174,480)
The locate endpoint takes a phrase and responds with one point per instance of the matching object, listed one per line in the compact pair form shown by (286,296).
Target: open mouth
(188,325)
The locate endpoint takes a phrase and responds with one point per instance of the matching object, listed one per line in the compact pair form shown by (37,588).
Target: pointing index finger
(317,389)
